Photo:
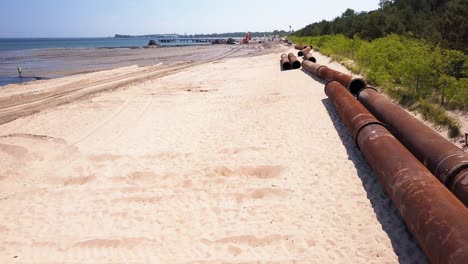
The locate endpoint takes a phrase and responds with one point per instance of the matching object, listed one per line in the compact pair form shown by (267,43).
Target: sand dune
(228,161)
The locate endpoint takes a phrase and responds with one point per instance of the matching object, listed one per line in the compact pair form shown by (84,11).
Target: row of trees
(212,35)
(241,34)
(442,22)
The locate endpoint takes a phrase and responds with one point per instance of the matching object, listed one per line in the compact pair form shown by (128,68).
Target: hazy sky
(102,18)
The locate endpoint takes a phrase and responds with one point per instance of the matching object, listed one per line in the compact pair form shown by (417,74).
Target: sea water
(11,44)
(24,52)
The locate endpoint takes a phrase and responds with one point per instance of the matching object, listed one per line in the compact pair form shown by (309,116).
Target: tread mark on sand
(102,123)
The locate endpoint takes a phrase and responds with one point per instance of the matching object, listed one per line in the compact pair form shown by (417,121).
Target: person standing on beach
(20,72)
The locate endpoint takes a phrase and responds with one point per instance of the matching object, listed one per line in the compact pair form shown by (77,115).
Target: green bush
(438,116)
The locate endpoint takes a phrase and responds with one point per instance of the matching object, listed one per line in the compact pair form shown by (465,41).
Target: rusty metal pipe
(311,67)
(445,160)
(346,80)
(294,62)
(310,57)
(329,75)
(299,47)
(435,217)
(304,51)
(285,62)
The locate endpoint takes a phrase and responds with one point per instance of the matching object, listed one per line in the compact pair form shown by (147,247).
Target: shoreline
(4,81)
(109,47)
(27,44)
(54,63)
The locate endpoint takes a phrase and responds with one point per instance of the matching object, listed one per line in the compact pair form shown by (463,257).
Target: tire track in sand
(10,111)
(61,99)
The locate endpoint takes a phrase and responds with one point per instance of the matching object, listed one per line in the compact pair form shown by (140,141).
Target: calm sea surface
(11,44)
(39,55)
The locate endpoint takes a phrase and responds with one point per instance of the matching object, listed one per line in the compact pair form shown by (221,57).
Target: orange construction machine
(247,38)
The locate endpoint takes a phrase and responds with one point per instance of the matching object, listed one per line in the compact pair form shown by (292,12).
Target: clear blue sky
(102,18)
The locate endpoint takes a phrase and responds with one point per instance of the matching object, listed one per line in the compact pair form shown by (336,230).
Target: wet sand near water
(52,63)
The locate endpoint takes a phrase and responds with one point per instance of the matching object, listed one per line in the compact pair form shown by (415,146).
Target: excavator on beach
(247,38)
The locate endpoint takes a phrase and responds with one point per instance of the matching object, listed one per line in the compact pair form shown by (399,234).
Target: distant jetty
(160,40)
(149,36)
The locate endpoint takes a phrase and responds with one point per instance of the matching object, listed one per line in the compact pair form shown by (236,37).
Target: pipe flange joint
(321,66)
(358,129)
(448,177)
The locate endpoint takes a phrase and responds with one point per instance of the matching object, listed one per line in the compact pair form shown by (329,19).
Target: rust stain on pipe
(310,57)
(436,218)
(285,62)
(304,51)
(445,160)
(294,62)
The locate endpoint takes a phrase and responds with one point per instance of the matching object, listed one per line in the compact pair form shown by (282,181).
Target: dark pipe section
(435,217)
(445,160)
(304,51)
(329,75)
(294,62)
(310,57)
(356,84)
(285,62)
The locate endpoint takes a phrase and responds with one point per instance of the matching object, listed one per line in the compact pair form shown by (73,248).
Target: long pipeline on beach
(331,75)
(445,160)
(436,218)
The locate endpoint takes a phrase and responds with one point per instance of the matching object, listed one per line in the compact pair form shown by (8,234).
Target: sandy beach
(222,160)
